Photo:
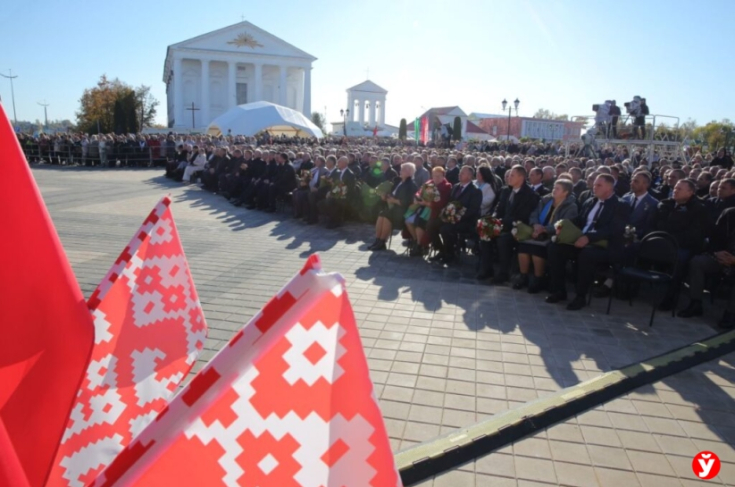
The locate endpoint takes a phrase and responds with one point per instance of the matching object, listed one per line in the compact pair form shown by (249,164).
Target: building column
(204,121)
(362,112)
(231,84)
(382,113)
(282,84)
(351,107)
(258,75)
(306,95)
(372,113)
(178,93)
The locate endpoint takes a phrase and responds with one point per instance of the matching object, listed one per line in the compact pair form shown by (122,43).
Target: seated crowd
(436,197)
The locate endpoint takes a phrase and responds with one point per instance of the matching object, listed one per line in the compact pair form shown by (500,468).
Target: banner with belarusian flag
(425,129)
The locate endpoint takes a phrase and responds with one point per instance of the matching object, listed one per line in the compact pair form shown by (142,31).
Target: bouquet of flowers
(325,181)
(453,212)
(429,193)
(339,191)
(629,234)
(305,177)
(568,233)
(384,188)
(488,228)
(521,231)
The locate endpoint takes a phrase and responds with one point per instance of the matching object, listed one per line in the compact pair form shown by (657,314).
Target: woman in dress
(394,205)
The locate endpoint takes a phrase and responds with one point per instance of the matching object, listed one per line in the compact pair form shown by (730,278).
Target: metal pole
(12,92)
(45,113)
(509,112)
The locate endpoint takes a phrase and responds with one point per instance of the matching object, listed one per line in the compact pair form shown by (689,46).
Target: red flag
(46,331)
(375,131)
(149,331)
(424,129)
(288,402)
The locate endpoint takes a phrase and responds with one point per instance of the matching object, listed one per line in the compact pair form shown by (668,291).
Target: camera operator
(638,109)
(614,114)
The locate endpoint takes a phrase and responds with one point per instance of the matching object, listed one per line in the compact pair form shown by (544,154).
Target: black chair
(655,263)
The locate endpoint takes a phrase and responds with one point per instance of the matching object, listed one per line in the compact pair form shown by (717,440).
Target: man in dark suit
(517,202)
(210,175)
(579,184)
(452,174)
(470,197)
(335,207)
(725,199)
(685,218)
(256,195)
(282,184)
(602,218)
(301,194)
(536,182)
(666,191)
(642,205)
(622,187)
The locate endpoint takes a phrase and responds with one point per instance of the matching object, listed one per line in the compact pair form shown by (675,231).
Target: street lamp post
(12,92)
(345,114)
(45,113)
(515,103)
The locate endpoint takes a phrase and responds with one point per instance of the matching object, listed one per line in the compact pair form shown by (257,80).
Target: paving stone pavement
(443,350)
(647,438)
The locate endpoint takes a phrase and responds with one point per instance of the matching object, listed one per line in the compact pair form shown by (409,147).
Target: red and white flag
(149,329)
(288,402)
(46,332)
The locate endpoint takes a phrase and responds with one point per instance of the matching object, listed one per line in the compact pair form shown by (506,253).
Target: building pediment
(368,86)
(243,38)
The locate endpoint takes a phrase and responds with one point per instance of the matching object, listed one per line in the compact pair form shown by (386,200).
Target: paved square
(444,351)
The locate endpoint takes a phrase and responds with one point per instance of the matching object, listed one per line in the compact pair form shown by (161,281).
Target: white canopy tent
(251,118)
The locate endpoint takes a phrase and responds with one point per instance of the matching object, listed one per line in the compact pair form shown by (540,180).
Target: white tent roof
(251,118)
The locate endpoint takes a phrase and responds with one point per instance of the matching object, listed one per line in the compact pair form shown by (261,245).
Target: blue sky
(561,55)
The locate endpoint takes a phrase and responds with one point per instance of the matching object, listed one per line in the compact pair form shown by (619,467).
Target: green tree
(712,135)
(457,129)
(544,113)
(318,120)
(402,129)
(97,107)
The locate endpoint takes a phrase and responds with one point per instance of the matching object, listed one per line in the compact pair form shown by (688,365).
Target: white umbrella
(251,118)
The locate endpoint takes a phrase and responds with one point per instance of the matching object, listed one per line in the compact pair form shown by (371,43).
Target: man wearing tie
(317,197)
(642,204)
(336,207)
(301,195)
(536,182)
(602,218)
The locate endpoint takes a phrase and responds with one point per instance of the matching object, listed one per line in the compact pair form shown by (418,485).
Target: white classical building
(366,102)
(207,75)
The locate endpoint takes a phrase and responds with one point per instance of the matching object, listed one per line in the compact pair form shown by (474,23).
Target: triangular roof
(243,38)
(471,128)
(369,87)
